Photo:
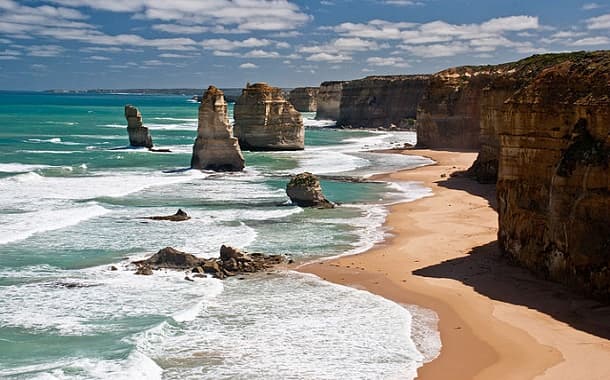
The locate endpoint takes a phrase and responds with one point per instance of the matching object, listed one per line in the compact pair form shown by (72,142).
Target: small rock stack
(305,190)
(138,134)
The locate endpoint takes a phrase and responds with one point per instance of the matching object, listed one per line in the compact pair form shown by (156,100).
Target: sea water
(72,200)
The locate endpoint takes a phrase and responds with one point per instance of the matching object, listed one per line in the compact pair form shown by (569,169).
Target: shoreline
(495,319)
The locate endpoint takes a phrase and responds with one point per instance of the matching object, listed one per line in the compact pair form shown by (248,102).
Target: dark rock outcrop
(266,121)
(382,101)
(138,134)
(305,190)
(215,147)
(231,262)
(179,216)
(554,177)
(329,100)
(304,99)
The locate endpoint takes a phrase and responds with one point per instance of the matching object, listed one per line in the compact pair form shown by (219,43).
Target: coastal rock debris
(231,262)
(179,216)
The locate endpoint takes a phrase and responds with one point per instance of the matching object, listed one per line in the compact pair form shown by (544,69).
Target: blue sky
(80,44)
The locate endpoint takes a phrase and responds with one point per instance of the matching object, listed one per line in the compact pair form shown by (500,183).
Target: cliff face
(329,100)
(381,101)
(264,120)
(138,134)
(449,113)
(304,99)
(554,182)
(215,147)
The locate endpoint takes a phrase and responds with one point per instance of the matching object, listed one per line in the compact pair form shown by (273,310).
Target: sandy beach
(496,320)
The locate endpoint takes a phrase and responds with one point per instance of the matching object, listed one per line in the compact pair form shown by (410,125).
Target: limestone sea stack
(382,101)
(329,100)
(304,99)
(305,190)
(215,147)
(138,134)
(554,175)
(266,121)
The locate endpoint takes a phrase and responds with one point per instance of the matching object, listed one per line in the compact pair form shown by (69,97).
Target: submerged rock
(265,120)
(215,147)
(305,190)
(138,134)
(179,216)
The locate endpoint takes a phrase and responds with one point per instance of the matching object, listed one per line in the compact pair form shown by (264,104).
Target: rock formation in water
(265,120)
(382,101)
(215,147)
(138,134)
(304,99)
(231,262)
(329,100)
(179,216)
(305,190)
(554,176)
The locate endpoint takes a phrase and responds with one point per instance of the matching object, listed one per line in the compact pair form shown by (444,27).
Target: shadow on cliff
(492,275)
(460,181)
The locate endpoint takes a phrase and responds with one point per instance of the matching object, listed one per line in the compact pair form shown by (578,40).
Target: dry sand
(496,320)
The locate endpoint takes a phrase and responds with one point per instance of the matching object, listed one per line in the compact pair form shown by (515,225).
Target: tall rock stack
(304,99)
(382,101)
(215,147)
(554,175)
(329,100)
(266,121)
(138,134)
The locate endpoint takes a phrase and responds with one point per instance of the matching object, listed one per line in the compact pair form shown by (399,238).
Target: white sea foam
(54,140)
(312,123)
(21,168)
(14,227)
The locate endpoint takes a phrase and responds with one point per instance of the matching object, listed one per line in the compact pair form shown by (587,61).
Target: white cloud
(98,58)
(248,65)
(262,54)
(327,57)
(590,6)
(387,61)
(438,50)
(224,44)
(402,3)
(45,50)
(591,41)
(599,22)
(246,15)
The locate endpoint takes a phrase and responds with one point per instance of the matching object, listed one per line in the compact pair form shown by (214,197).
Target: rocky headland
(304,99)
(329,100)
(139,135)
(266,121)
(215,147)
(382,101)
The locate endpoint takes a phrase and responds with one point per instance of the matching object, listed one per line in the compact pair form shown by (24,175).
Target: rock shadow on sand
(491,274)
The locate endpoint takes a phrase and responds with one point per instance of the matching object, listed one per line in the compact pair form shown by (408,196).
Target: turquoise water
(72,195)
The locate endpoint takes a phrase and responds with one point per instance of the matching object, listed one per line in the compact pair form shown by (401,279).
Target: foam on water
(17,167)
(19,226)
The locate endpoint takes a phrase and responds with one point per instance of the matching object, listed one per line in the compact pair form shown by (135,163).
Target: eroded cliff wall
(381,101)
(304,99)
(553,182)
(265,120)
(329,100)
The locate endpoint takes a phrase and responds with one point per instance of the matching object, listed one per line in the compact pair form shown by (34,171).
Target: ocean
(72,199)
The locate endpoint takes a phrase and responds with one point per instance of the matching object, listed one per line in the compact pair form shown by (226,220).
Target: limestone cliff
(138,134)
(381,101)
(215,147)
(265,120)
(304,99)
(329,100)
(553,181)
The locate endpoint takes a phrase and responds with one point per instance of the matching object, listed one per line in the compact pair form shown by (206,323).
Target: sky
(83,44)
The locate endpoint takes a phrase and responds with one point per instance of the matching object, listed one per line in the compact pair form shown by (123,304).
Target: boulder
(179,216)
(305,190)
(266,121)
(138,134)
(215,147)
(171,258)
